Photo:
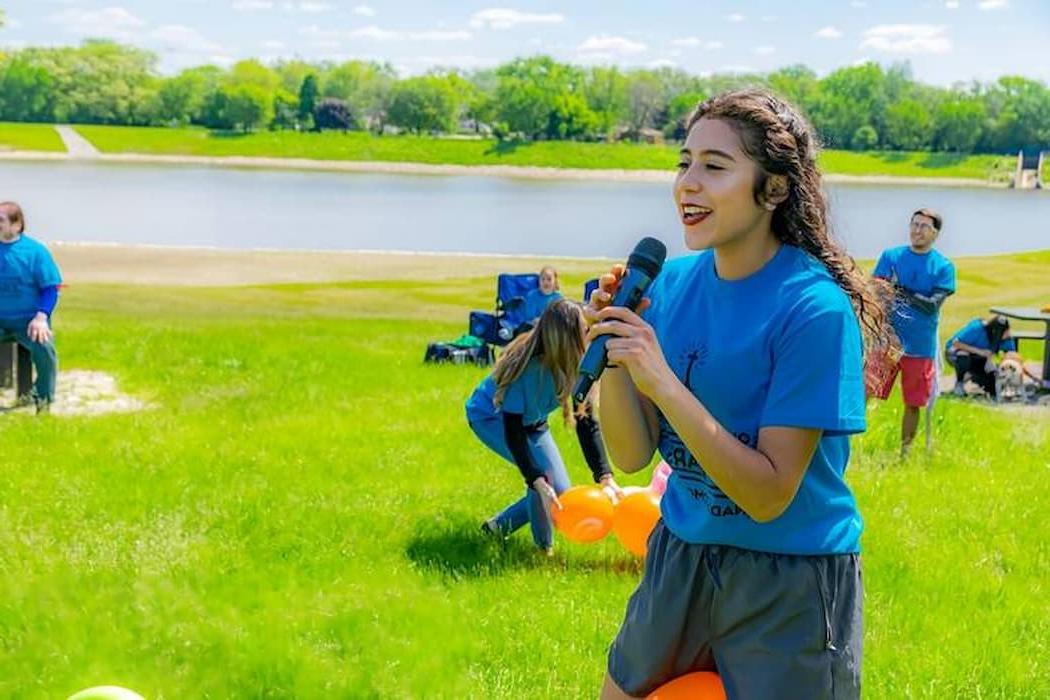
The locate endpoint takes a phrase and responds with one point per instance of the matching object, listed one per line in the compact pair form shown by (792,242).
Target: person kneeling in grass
(29,281)
(508,412)
(972,351)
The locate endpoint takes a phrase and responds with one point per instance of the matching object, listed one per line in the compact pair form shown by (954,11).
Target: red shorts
(917,377)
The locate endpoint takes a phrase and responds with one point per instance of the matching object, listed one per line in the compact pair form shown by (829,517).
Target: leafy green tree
(365,86)
(426,103)
(1020,111)
(571,118)
(180,98)
(248,106)
(606,91)
(285,110)
(679,110)
(26,91)
(865,138)
(958,124)
(333,113)
(645,100)
(909,126)
(308,92)
(527,96)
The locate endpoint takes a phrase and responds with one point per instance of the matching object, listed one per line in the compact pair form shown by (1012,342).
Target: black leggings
(965,363)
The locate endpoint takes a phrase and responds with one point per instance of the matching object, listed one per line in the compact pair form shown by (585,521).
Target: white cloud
(252,5)
(502,18)
(765,50)
(662,63)
(992,4)
(364,11)
(11,22)
(858,3)
(610,45)
(736,17)
(329,39)
(183,39)
(907,38)
(113,22)
(696,42)
(828,32)
(952,4)
(736,69)
(274,44)
(311,6)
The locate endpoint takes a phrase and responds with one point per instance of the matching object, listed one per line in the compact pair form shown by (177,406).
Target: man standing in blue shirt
(29,281)
(922,279)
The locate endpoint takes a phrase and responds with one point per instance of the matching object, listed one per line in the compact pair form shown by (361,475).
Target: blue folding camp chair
(500,327)
(588,289)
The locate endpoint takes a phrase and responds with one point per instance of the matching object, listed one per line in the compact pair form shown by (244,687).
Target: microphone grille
(648,255)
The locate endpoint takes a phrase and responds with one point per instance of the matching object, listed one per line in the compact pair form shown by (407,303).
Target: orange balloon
(702,685)
(634,518)
(586,515)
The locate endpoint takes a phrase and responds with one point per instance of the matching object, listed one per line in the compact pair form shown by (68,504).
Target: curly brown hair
(781,142)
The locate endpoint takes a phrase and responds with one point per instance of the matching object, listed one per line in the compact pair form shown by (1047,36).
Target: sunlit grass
(297,517)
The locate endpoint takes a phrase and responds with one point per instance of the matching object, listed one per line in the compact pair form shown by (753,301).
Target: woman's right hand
(547,495)
(601,297)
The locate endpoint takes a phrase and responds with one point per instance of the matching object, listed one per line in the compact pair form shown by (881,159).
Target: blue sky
(944,40)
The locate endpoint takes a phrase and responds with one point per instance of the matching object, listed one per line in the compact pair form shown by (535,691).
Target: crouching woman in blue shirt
(508,412)
(29,281)
(972,350)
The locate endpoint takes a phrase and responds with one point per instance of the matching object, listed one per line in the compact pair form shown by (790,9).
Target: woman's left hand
(634,347)
(38,330)
(611,488)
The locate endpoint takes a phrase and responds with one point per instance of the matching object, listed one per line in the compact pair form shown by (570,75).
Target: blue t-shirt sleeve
(883,268)
(817,379)
(973,334)
(946,278)
(47,274)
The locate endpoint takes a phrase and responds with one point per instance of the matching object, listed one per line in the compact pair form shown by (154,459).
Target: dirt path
(76,145)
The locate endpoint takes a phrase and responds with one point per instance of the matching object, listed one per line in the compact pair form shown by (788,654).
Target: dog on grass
(1010,379)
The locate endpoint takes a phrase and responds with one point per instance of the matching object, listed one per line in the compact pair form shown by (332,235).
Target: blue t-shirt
(923,273)
(781,347)
(533,395)
(26,267)
(536,302)
(974,333)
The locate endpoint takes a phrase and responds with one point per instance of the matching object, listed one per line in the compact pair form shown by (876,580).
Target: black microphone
(643,266)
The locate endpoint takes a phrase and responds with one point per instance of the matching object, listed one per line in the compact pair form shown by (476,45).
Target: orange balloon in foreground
(634,518)
(586,515)
(702,685)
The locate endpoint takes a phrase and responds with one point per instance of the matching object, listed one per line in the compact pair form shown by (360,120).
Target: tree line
(534,98)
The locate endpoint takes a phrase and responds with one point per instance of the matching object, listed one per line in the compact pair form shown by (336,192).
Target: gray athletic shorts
(772,625)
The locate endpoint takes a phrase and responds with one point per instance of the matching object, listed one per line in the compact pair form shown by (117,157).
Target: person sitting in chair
(537,301)
(972,351)
(29,281)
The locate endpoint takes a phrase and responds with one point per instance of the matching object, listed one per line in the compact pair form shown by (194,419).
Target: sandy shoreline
(509,171)
(92,263)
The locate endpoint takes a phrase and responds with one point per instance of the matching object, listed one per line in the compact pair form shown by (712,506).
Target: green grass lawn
(29,137)
(297,516)
(555,154)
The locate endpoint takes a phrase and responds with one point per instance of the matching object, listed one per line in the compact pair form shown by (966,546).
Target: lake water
(231,208)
